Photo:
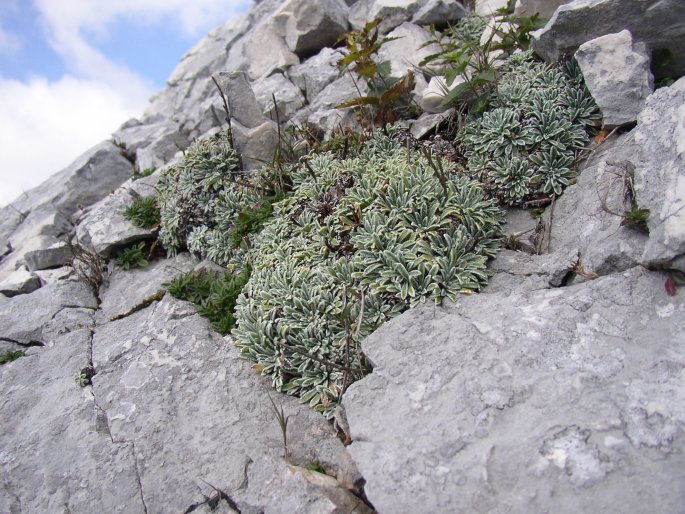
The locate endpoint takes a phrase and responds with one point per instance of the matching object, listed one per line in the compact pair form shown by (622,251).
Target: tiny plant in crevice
(214,295)
(138,174)
(84,376)
(132,257)
(143,212)
(316,466)
(87,264)
(388,97)
(10,356)
(282,423)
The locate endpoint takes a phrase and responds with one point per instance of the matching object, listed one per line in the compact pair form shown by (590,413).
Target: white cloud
(46,125)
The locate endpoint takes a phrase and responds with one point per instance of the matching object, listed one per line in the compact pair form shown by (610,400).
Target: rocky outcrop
(656,23)
(617,74)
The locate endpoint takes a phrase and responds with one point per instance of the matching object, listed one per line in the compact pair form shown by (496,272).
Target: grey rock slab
(40,315)
(21,281)
(617,75)
(50,276)
(125,289)
(407,52)
(257,145)
(266,50)
(289,98)
(104,228)
(54,454)
(314,74)
(587,219)
(439,13)
(545,8)
(296,489)
(426,123)
(241,99)
(562,400)
(660,179)
(658,23)
(489,7)
(391,12)
(312,26)
(195,410)
(53,256)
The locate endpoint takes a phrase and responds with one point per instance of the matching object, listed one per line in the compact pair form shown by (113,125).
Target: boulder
(391,12)
(314,74)
(153,144)
(489,7)
(617,74)
(21,281)
(105,229)
(545,8)
(37,317)
(426,123)
(289,98)
(564,400)
(267,50)
(257,145)
(660,178)
(199,416)
(241,99)
(406,52)
(656,23)
(313,25)
(430,99)
(439,13)
(47,257)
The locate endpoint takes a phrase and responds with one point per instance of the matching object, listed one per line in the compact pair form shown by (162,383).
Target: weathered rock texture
(527,402)
(617,74)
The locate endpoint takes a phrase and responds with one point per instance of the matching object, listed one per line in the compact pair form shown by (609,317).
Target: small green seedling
(143,212)
(282,422)
(10,356)
(132,257)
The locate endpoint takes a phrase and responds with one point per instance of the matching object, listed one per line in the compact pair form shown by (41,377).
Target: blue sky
(71,71)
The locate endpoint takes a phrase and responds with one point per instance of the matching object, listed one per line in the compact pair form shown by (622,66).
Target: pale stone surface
(408,51)
(391,12)
(660,179)
(257,145)
(316,73)
(241,99)
(270,34)
(439,12)
(21,281)
(565,400)
(488,7)
(313,25)
(53,256)
(617,74)
(656,23)
(105,229)
(545,8)
(431,98)
(289,98)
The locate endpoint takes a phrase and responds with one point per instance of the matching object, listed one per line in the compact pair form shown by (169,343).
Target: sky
(72,71)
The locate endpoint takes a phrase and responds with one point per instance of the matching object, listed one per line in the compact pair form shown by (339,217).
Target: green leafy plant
(143,212)
(469,59)
(138,174)
(524,146)
(214,295)
(10,356)
(84,376)
(132,257)
(636,217)
(357,242)
(386,95)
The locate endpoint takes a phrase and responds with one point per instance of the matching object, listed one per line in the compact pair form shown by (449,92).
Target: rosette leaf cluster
(357,242)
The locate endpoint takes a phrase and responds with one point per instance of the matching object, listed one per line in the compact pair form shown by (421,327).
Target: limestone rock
(545,8)
(267,50)
(559,400)
(431,98)
(257,145)
(53,256)
(424,124)
(314,74)
(391,12)
(314,25)
(104,228)
(617,74)
(289,98)
(439,13)
(656,23)
(21,281)
(36,317)
(587,222)
(171,387)
(241,99)
(488,7)
(408,51)
(660,179)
